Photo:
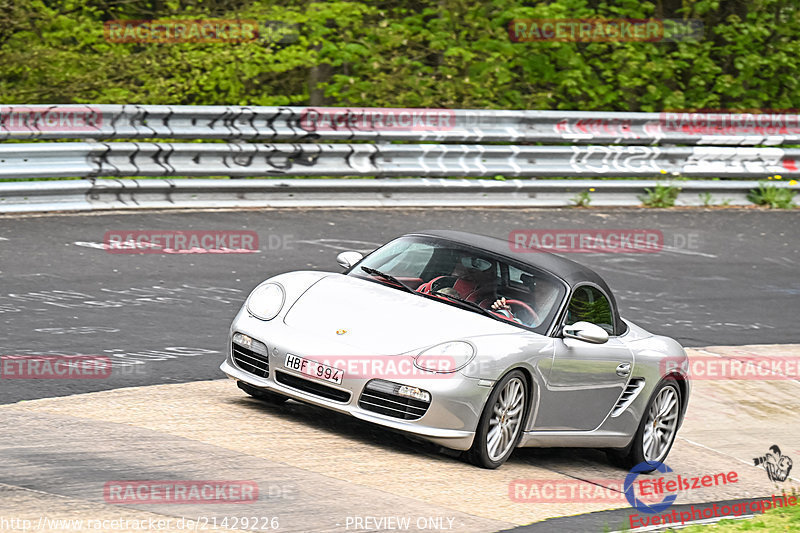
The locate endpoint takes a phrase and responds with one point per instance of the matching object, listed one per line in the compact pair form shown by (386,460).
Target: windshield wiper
(387,277)
(472,305)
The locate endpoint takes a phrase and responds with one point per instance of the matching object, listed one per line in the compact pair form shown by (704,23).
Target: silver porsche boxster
(462,340)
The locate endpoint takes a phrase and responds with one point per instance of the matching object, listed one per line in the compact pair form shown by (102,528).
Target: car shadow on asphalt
(565,460)
(562,460)
(345,426)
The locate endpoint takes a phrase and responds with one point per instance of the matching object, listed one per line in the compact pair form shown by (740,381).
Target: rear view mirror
(348,259)
(585,331)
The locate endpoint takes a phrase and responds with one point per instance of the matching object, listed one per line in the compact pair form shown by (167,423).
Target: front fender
(497,354)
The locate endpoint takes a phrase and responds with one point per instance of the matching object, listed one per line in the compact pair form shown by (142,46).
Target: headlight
(446,357)
(266,301)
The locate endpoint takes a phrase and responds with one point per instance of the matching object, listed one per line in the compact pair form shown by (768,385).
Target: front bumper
(450,420)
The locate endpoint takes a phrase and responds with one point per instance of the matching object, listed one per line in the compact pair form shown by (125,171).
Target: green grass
(582,199)
(660,196)
(772,196)
(708,200)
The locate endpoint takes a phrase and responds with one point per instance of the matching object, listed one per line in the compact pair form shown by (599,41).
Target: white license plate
(314,369)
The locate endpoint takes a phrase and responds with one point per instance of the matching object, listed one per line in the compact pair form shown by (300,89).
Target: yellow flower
(663,171)
(777,176)
(769,178)
(793,183)
(591,189)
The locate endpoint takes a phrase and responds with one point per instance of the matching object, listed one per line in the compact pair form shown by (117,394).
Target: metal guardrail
(308,124)
(121,194)
(127,159)
(453,143)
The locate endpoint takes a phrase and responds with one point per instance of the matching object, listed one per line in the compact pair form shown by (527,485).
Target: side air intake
(635,386)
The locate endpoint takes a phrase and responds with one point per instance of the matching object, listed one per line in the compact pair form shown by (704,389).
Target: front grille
(380,397)
(312,387)
(250,361)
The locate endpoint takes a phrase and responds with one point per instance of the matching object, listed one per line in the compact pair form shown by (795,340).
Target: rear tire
(657,429)
(260,394)
(501,423)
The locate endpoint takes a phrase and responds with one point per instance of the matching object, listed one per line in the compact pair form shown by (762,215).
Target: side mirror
(585,331)
(348,259)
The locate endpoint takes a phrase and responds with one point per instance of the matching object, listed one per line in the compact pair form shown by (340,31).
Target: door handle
(623,369)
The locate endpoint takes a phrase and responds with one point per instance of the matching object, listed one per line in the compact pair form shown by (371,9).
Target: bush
(772,196)
(420,53)
(582,199)
(661,196)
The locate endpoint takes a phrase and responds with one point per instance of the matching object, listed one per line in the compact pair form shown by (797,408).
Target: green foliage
(708,201)
(596,312)
(661,196)
(447,53)
(772,196)
(582,199)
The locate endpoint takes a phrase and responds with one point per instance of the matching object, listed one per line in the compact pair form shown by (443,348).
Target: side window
(514,274)
(590,305)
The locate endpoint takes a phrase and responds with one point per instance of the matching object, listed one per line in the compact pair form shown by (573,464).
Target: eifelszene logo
(638,504)
(777,465)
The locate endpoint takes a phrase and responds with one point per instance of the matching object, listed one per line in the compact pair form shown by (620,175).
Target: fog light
(396,389)
(414,392)
(250,343)
(243,340)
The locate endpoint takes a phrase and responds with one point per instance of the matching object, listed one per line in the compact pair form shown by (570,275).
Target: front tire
(657,429)
(500,426)
(270,397)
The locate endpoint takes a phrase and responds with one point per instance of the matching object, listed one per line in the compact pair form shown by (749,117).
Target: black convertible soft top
(571,272)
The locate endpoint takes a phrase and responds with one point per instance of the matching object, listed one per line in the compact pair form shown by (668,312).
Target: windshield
(470,278)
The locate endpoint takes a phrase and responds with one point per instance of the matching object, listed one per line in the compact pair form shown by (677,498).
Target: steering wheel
(527,308)
(436,284)
(480,294)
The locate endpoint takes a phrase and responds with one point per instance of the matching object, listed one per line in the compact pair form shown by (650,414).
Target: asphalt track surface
(725,277)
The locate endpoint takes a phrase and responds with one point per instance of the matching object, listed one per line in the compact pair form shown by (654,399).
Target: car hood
(378,319)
